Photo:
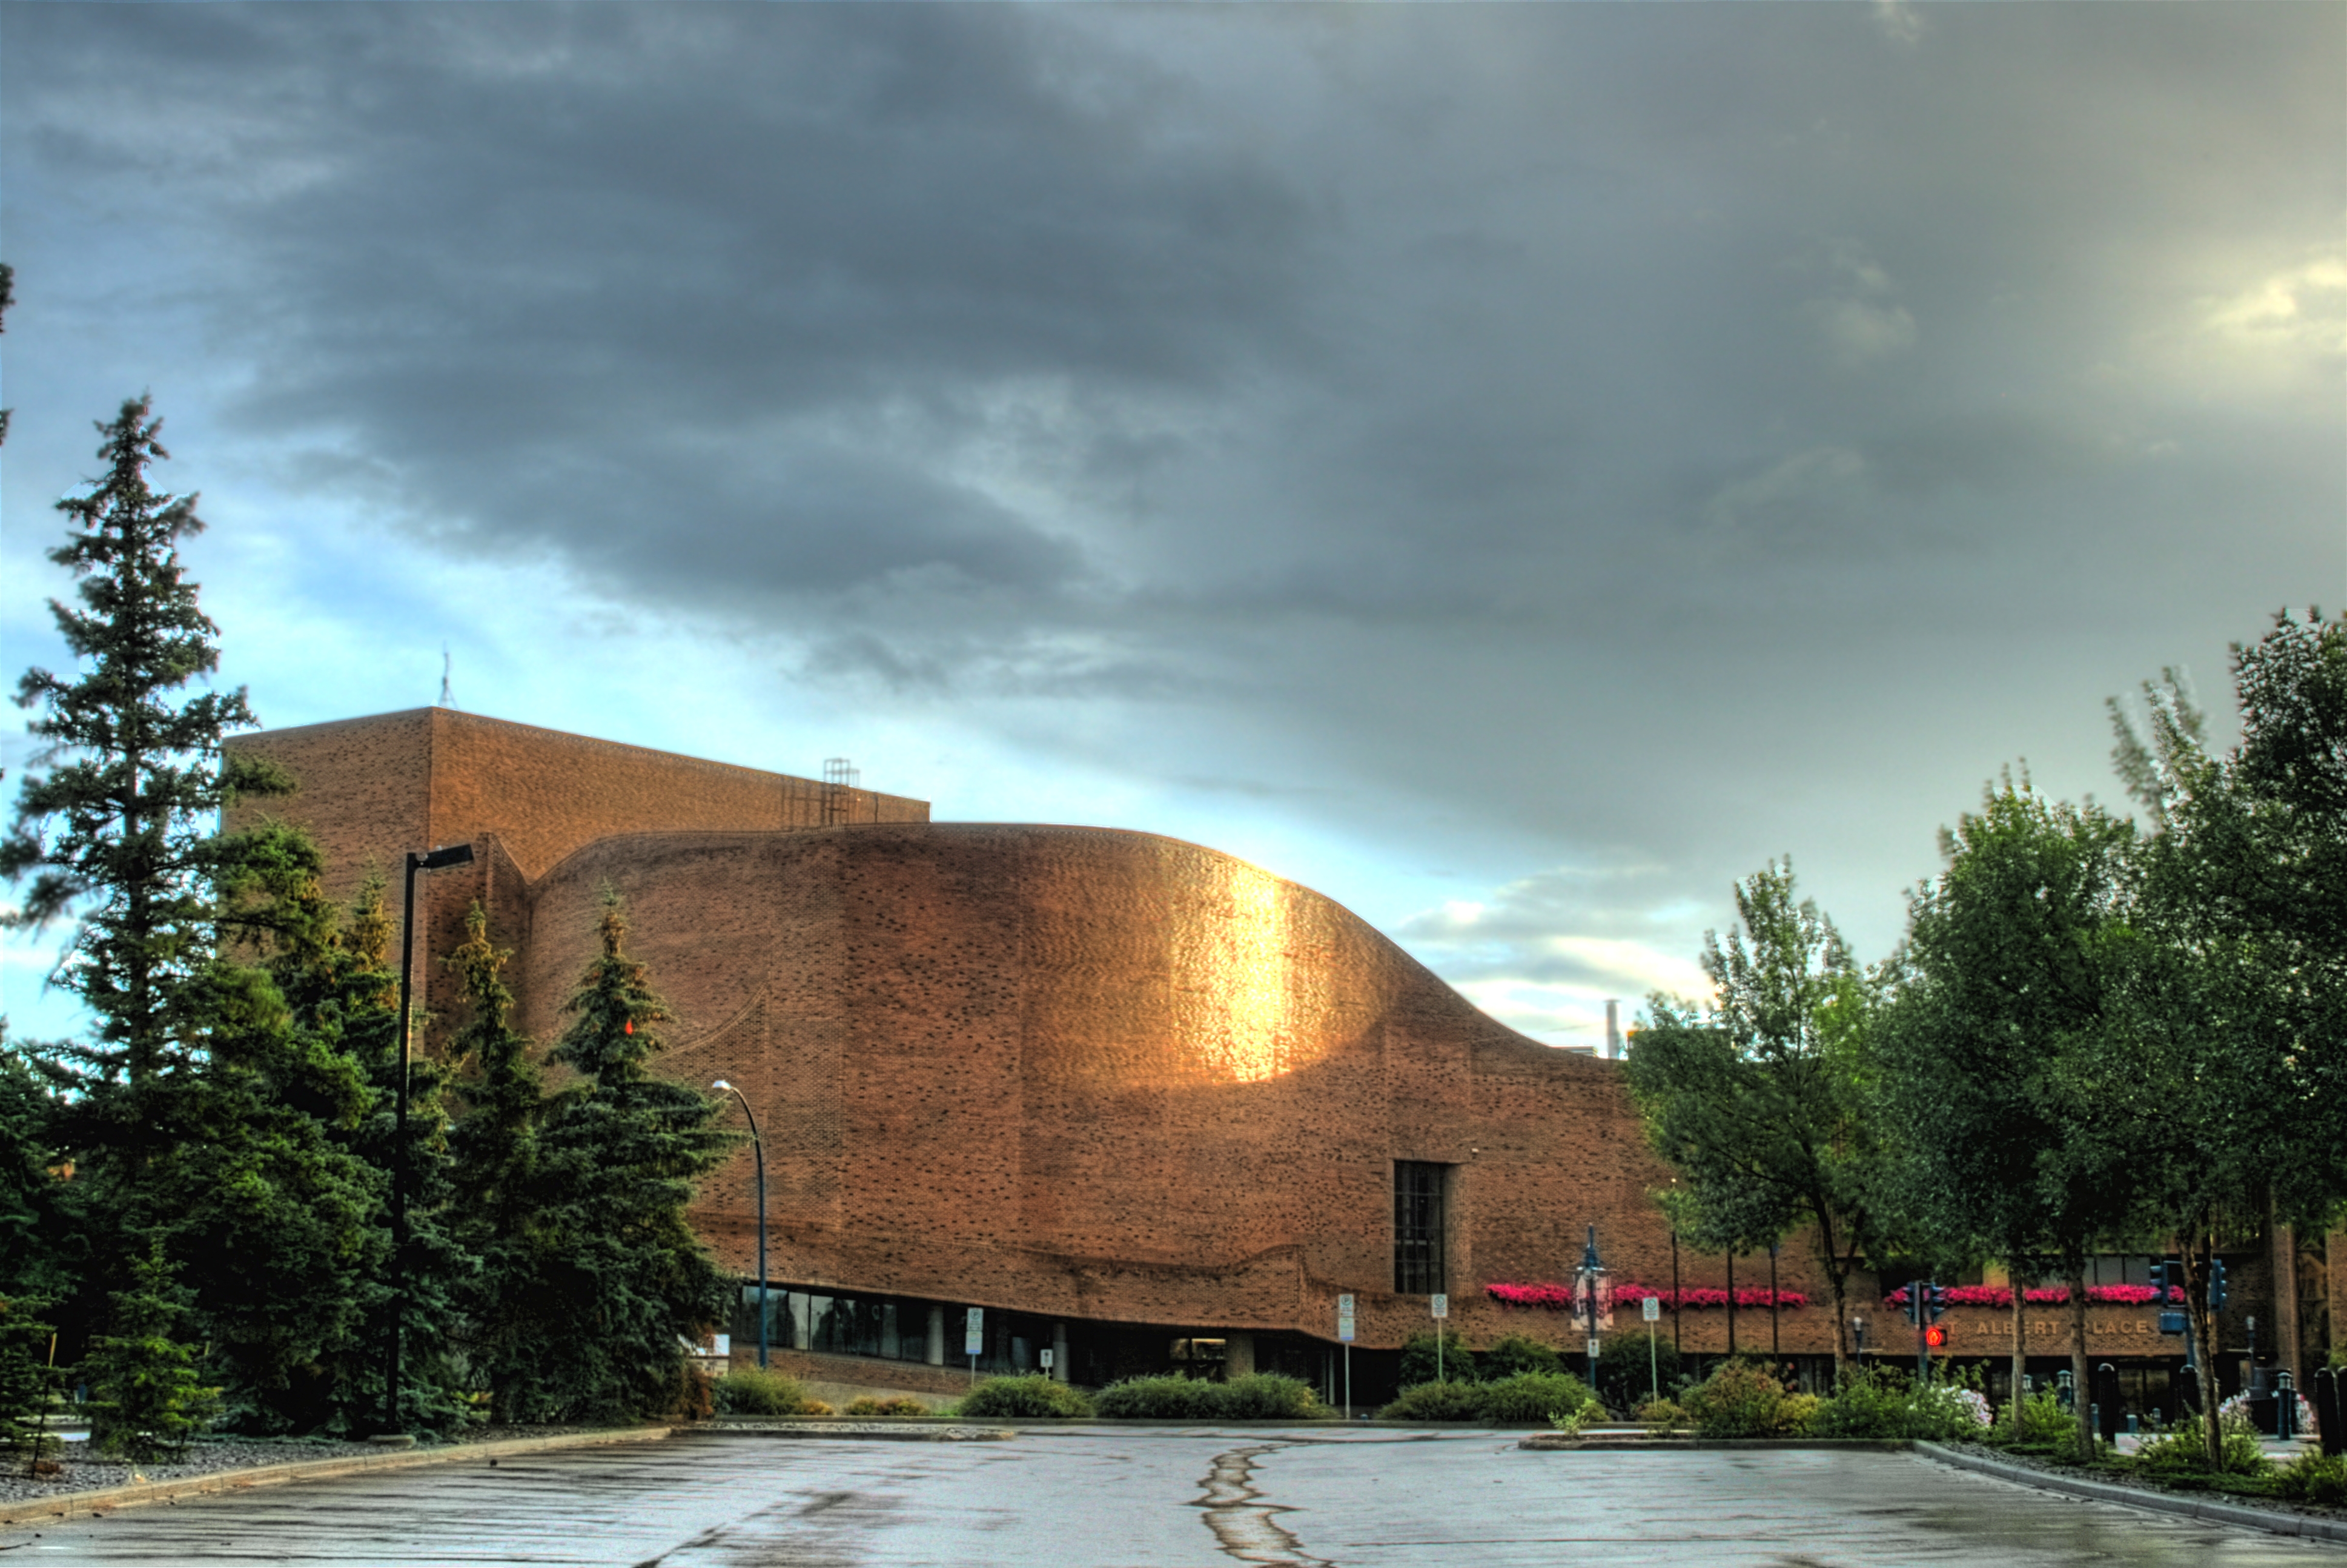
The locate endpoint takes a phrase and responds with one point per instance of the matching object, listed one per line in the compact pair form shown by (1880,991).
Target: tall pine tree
(619,1155)
(493,1185)
(351,994)
(117,826)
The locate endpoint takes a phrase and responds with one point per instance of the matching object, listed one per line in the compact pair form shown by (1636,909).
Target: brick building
(1142,1102)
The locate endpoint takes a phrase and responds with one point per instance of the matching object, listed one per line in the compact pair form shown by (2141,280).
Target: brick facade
(1092,1075)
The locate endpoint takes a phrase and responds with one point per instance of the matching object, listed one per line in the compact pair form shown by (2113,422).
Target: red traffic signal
(1935,1336)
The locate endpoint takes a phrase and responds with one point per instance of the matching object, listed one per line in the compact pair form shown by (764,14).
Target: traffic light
(2169,1276)
(1935,1337)
(1915,1290)
(2217,1292)
(1936,1302)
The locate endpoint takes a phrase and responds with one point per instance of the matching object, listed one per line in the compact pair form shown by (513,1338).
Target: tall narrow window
(1418,1229)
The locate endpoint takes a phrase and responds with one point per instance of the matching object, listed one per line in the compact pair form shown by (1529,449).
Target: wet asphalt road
(1189,1499)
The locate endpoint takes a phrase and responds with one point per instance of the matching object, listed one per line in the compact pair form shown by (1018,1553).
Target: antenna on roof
(445,664)
(839,782)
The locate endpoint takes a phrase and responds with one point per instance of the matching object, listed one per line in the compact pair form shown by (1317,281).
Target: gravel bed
(84,1471)
(87,1471)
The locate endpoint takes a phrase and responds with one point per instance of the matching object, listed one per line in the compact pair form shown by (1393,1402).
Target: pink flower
(1559,1297)
(2043,1295)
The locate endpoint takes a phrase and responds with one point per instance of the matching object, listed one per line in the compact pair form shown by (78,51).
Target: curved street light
(757,1145)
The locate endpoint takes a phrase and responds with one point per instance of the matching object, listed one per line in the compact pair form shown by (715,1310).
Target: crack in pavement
(1245,1527)
(804,1530)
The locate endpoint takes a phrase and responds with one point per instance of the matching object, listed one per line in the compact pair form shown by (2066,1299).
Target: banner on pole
(1593,1300)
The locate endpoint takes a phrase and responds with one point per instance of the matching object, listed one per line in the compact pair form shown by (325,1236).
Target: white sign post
(1345,1336)
(1650,1309)
(1441,1311)
(973,1338)
(1045,1355)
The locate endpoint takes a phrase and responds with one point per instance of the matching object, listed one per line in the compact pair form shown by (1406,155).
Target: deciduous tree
(2004,990)
(1757,1100)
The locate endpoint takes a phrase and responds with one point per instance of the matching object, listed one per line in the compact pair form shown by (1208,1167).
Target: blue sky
(1514,469)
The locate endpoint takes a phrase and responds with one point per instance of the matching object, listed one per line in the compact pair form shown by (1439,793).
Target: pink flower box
(1559,1297)
(2045,1295)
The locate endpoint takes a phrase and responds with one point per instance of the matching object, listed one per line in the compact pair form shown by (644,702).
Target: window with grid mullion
(1418,1229)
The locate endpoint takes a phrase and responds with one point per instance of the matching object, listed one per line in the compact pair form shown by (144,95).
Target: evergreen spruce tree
(27,1381)
(145,1395)
(494,1185)
(357,1001)
(117,826)
(619,1156)
(39,1234)
(280,1228)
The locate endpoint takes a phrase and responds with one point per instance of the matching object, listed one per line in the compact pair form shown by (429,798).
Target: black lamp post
(450,854)
(757,1146)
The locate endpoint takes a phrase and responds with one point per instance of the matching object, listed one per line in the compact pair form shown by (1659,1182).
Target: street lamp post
(758,1147)
(431,860)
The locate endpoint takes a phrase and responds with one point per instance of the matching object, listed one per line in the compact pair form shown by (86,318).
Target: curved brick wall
(1098,1073)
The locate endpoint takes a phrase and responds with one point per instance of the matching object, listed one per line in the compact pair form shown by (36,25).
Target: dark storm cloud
(1540,392)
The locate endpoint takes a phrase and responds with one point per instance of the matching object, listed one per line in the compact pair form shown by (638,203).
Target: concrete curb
(2273,1520)
(908,1430)
(1582,1442)
(106,1499)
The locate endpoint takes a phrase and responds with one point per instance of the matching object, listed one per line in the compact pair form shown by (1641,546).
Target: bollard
(2285,1405)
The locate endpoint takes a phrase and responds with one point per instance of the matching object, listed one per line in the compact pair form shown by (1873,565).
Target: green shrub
(1028,1397)
(2183,1449)
(1571,1423)
(1514,1353)
(1951,1412)
(27,1384)
(2313,1478)
(1535,1397)
(144,1396)
(1166,1398)
(1260,1397)
(1663,1417)
(1437,1402)
(1870,1403)
(1742,1400)
(1625,1379)
(758,1391)
(1885,1402)
(895,1405)
(1270,1396)
(1418,1360)
(2044,1423)
(1528,1398)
